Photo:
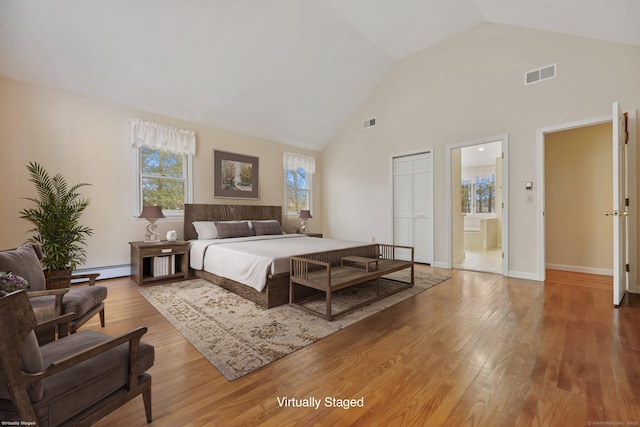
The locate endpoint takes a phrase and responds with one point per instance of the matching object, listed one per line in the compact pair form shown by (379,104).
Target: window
(485,199)
(164,179)
(163,166)
(298,181)
(467,196)
(479,194)
(298,190)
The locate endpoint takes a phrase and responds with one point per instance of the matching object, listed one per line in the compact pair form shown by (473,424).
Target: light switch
(528,185)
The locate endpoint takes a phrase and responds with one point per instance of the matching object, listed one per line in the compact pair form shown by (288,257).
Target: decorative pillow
(24,262)
(263,228)
(206,229)
(31,362)
(233,229)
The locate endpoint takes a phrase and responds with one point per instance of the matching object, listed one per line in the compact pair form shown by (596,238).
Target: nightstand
(153,262)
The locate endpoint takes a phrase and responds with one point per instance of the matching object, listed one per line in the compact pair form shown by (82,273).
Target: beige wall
(579,178)
(468,88)
(88,141)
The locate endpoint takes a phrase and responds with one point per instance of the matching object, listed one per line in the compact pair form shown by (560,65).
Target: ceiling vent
(540,74)
(369,122)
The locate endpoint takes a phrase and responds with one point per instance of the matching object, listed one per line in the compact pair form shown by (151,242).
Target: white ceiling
(480,155)
(285,70)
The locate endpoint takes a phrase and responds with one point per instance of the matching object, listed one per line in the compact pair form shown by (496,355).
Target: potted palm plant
(56,220)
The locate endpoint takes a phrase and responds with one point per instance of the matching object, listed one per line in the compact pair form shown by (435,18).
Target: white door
(619,213)
(413,205)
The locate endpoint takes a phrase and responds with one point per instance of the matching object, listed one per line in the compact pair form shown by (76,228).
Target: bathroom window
(479,194)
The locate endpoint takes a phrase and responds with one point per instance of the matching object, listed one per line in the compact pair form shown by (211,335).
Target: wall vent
(369,122)
(540,74)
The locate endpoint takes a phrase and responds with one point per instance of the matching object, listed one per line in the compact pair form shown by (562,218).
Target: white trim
(504,138)
(189,188)
(392,156)
(580,269)
(523,275)
(439,264)
(505,211)
(540,222)
(137,195)
(632,176)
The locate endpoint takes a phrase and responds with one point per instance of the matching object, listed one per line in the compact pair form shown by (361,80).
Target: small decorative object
(235,175)
(304,215)
(172,236)
(10,282)
(151,214)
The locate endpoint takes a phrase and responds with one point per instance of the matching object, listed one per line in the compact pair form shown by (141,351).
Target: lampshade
(151,212)
(304,214)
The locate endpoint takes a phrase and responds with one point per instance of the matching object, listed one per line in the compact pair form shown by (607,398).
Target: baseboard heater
(108,272)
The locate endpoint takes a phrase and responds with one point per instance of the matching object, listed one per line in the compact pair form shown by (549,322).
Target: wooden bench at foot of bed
(331,271)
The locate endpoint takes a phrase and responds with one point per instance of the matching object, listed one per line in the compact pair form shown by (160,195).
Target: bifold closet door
(413,205)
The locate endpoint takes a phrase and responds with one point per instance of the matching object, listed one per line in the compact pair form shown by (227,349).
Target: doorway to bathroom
(478,222)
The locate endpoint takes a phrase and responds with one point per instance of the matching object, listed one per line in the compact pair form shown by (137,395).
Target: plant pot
(53,282)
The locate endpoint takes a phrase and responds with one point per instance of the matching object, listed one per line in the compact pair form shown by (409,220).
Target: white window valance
(294,161)
(163,137)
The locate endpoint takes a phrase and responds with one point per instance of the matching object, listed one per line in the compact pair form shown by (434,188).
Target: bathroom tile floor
(488,261)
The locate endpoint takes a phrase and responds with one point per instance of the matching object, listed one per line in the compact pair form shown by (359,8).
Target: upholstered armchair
(75,380)
(83,301)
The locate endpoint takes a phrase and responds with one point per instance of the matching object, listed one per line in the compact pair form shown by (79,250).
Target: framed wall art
(235,175)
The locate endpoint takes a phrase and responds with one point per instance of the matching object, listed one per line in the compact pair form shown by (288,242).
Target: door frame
(631,191)
(393,156)
(505,196)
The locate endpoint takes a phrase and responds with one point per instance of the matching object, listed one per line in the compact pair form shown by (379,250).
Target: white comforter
(249,260)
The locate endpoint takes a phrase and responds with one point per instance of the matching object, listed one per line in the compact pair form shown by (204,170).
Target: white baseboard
(108,272)
(440,265)
(578,269)
(523,275)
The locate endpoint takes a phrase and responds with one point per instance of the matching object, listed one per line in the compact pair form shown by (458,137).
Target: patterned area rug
(238,336)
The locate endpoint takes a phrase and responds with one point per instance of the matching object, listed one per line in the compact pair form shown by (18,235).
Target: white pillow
(206,230)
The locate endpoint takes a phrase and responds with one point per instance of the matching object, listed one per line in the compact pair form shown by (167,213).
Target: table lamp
(304,215)
(151,214)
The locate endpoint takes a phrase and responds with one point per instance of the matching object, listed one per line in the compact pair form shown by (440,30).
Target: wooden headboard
(204,212)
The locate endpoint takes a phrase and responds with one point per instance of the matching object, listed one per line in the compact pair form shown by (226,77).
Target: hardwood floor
(477,350)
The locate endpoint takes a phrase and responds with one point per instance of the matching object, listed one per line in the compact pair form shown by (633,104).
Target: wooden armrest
(47,292)
(61,321)
(91,277)
(132,337)
(59,293)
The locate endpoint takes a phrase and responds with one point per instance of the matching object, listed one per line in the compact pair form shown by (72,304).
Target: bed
(263,260)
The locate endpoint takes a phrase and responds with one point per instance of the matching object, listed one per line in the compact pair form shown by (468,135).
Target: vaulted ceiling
(286,70)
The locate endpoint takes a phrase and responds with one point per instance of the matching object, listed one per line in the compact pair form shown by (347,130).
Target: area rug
(237,336)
